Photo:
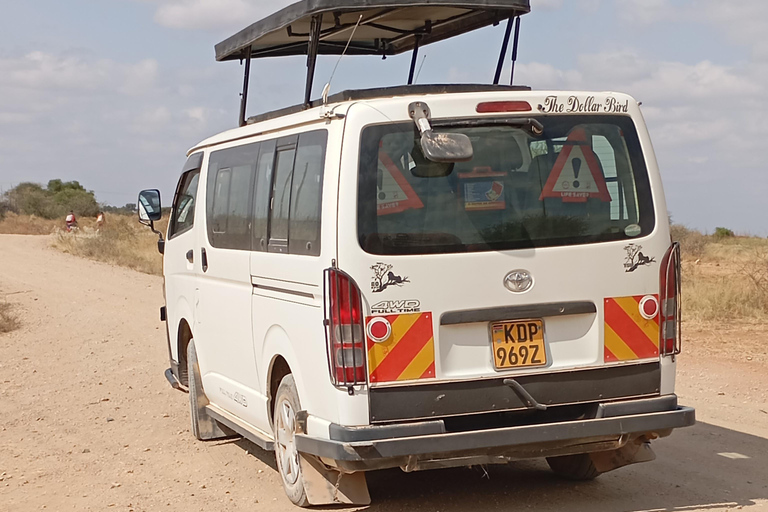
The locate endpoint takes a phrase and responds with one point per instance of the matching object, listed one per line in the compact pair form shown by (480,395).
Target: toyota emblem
(518,281)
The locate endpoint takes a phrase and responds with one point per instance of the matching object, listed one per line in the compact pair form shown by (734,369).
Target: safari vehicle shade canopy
(387,27)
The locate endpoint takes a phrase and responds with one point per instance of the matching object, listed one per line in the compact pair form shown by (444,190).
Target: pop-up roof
(388,27)
(366,27)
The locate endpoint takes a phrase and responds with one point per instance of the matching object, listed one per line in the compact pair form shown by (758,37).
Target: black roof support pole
(314,43)
(246,78)
(413,59)
(503,55)
(514,51)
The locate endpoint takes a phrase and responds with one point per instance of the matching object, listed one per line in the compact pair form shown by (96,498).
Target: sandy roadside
(87,421)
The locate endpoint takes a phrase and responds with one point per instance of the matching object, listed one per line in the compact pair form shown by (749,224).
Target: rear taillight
(345,332)
(669,295)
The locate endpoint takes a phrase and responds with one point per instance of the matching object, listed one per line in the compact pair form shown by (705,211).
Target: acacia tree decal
(379,271)
(635,258)
(632,251)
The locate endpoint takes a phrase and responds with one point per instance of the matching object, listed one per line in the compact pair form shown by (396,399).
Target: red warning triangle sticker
(576,175)
(394,194)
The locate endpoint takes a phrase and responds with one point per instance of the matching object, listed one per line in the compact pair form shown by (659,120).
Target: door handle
(190,256)
(205,259)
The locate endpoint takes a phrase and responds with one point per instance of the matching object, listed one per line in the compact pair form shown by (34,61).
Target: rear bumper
(615,424)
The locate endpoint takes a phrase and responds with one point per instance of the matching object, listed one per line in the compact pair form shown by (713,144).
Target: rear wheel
(286,406)
(574,467)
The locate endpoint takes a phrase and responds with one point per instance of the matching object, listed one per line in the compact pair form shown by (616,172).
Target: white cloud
(71,115)
(215,14)
(138,78)
(742,22)
(548,5)
(197,114)
(546,76)
(645,11)
(40,71)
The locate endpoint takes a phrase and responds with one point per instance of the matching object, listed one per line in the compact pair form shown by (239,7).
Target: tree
(51,202)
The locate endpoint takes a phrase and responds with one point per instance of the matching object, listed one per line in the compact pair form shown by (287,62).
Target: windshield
(583,181)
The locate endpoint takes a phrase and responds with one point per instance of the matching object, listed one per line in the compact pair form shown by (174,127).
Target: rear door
(531,259)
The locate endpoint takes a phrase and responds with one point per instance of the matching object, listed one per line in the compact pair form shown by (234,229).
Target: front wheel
(574,467)
(286,406)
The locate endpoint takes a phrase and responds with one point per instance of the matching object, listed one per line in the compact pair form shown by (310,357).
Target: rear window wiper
(532,125)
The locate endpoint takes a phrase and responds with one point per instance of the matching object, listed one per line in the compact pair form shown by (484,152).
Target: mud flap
(204,427)
(329,487)
(633,452)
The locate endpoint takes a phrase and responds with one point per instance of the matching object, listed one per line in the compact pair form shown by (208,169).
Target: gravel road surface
(88,422)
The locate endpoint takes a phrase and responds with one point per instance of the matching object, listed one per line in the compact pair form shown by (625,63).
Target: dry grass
(8,319)
(122,241)
(725,280)
(13,224)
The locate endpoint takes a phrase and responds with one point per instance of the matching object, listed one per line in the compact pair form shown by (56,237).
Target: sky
(113,93)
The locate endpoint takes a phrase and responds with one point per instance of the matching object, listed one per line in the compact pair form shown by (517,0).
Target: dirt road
(88,422)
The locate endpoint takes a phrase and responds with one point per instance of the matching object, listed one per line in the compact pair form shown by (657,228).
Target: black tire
(284,424)
(577,467)
(203,426)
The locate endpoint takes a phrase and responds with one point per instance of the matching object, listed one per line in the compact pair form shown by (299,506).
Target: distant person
(99,221)
(71,221)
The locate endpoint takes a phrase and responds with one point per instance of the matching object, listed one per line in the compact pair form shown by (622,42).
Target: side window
(239,211)
(221,200)
(263,187)
(281,195)
(306,194)
(183,210)
(230,182)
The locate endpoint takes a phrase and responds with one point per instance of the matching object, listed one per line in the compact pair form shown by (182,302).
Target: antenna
(419,71)
(327,87)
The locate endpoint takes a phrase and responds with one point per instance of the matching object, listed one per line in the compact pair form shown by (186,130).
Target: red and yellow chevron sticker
(628,335)
(407,354)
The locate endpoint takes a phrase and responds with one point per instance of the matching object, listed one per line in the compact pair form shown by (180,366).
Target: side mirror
(446,147)
(149,206)
(443,148)
(150,210)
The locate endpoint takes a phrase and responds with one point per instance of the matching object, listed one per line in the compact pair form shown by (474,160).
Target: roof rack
(387,92)
(384,27)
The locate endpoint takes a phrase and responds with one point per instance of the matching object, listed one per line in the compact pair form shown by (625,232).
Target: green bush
(51,202)
(692,242)
(723,233)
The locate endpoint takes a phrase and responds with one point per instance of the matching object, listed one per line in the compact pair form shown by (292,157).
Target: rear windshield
(583,181)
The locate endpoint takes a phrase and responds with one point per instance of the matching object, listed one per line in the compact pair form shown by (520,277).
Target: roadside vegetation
(35,209)
(121,241)
(725,277)
(52,201)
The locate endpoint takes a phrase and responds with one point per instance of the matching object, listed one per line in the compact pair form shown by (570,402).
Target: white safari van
(422,276)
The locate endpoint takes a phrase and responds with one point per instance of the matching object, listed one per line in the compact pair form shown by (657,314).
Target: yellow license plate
(518,344)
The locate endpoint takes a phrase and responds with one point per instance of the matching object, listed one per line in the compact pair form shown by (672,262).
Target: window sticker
(576,175)
(484,195)
(633,230)
(481,192)
(393,193)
